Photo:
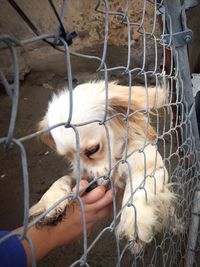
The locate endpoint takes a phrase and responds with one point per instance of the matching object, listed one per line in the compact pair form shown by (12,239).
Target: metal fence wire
(176,128)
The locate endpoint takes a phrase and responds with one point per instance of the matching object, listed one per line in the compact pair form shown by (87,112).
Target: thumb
(94,195)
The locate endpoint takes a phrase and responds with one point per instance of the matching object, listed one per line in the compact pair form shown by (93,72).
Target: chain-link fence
(176,133)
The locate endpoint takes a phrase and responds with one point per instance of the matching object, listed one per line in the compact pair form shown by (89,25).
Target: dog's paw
(136,225)
(136,247)
(59,189)
(141,220)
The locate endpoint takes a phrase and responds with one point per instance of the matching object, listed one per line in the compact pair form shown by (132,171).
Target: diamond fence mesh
(176,139)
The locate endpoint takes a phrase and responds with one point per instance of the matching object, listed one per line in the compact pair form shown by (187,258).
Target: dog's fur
(150,205)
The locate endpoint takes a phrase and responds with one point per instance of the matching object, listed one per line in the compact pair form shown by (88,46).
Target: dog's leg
(137,218)
(147,200)
(59,189)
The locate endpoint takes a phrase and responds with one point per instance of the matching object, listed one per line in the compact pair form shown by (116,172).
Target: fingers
(82,185)
(102,214)
(94,195)
(98,216)
(98,198)
(104,201)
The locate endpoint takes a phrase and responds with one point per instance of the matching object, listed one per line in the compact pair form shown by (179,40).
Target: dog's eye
(92,150)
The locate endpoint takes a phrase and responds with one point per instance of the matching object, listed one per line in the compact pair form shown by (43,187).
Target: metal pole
(193,231)
(174,10)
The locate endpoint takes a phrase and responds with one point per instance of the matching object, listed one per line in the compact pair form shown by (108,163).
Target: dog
(139,168)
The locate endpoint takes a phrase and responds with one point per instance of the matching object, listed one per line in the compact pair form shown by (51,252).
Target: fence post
(193,231)
(176,11)
(174,8)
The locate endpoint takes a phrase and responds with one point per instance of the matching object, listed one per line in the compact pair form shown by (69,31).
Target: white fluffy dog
(147,200)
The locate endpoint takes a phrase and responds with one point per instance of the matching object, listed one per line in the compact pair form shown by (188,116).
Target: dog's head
(100,142)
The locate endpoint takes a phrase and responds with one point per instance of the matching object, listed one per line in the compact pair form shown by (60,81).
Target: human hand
(97,205)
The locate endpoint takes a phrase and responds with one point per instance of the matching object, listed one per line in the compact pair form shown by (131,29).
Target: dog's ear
(139,97)
(119,99)
(46,137)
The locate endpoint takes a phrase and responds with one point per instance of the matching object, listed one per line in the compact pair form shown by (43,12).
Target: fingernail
(103,189)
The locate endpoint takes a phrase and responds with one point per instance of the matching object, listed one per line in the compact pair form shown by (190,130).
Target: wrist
(42,240)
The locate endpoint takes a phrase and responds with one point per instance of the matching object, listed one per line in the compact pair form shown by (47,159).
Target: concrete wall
(194,47)
(89,24)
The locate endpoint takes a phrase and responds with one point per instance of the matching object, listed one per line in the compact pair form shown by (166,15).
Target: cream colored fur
(147,200)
